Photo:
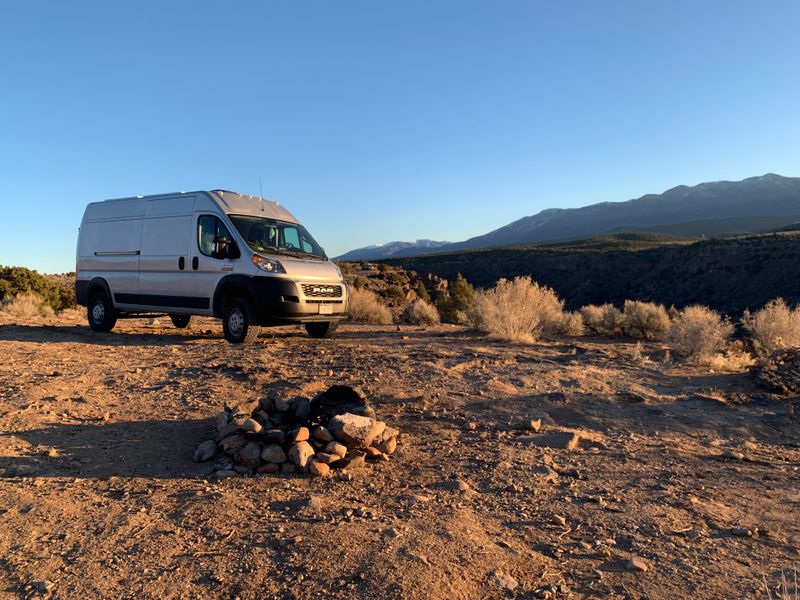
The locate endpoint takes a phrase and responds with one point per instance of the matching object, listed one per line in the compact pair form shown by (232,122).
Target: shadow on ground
(157,449)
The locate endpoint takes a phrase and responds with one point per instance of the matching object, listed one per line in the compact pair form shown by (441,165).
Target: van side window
(208,229)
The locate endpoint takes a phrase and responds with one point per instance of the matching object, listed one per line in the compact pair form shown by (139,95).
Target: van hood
(309,269)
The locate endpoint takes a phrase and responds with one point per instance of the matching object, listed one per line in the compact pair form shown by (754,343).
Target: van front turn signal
(268,265)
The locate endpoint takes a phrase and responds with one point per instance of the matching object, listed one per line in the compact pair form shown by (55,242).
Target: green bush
(454,305)
(383,268)
(359,282)
(394,293)
(15,281)
(422,293)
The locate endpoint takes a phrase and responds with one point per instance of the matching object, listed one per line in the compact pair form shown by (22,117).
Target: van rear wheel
(181,321)
(239,321)
(101,313)
(321,330)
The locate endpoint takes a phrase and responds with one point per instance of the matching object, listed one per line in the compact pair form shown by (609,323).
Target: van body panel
(146,254)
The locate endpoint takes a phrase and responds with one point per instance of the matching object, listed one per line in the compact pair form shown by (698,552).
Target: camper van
(242,259)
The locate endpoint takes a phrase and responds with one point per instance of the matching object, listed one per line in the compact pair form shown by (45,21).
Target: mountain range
(713,209)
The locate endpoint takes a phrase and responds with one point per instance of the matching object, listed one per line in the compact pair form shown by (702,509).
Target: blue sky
(375,121)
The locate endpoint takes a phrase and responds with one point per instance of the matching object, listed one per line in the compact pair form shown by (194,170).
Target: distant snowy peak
(391,249)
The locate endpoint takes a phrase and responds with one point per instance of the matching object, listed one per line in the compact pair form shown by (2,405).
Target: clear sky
(375,121)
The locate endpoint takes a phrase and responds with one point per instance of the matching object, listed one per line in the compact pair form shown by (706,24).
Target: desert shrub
(359,282)
(592,316)
(394,294)
(571,323)
(698,334)
(645,320)
(366,308)
(459,299)
(18,280)
(422,293)
(382,267)
(26,305)
(520,310)
(348,269)
(421,312)
(775,326)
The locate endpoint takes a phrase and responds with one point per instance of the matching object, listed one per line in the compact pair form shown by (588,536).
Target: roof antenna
(261,194)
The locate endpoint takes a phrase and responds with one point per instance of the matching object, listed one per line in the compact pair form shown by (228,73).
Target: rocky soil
(582,468)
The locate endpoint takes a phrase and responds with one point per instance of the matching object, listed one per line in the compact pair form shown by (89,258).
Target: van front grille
(316,290)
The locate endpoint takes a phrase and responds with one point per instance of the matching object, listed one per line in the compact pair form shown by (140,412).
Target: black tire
(321,330)
(181,321)
(101,313)
(239,321)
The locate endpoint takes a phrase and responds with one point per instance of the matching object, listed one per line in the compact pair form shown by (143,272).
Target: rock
(372,452)
(455,485)
(637,564)
(354,461)
(273,453)
(274,436)
(354,430)
(281,405)
(558,520)
(243,470)
(205,451)
(504,580)
(558,440)
(300,434)
(230,429)
(250,455)
(545,473)
(733,454)
(326,458)
(222,420)
(535,425)
(336,448)
(388,432)
(251,426)
(389,446)
(269,467)
(44,587)
(222,473)
(380,427)
(392,532)
(288,467)
(318,468)
(232,443)
(336,400)
(322,434)
(300,453)
(303,409)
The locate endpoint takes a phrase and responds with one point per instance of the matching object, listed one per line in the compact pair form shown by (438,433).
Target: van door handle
(181,263)
(194,263)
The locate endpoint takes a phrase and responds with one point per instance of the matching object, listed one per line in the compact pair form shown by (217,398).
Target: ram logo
(322,290)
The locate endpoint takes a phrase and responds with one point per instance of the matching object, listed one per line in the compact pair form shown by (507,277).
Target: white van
(240,258)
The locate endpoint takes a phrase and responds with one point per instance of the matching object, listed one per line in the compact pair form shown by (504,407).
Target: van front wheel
(101,314)
(181,321)
(321,330)
(239,322)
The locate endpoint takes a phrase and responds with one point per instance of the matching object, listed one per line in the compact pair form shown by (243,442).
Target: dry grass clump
(366,308)
(603,320)
(572,323)
(519,311)
(420,312)
(26,306)
(698,334)
(645,320)
(775,326)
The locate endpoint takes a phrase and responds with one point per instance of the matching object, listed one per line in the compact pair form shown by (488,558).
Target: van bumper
(281,301)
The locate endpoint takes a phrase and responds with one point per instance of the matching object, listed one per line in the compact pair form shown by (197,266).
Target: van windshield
(269,235)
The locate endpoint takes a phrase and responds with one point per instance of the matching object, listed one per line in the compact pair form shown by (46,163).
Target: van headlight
(267,264)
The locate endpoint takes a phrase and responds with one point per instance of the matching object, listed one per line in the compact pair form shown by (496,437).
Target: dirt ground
(693,474)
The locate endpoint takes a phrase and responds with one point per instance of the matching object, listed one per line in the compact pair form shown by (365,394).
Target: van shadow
(82,334)
(158,449)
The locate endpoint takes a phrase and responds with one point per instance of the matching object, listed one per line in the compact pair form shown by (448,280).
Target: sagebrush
(19,280)
(645,320)
(26,306)
(420,312)
(698,334)
(365,307)
(604,320)
(519,310)
(775,326)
